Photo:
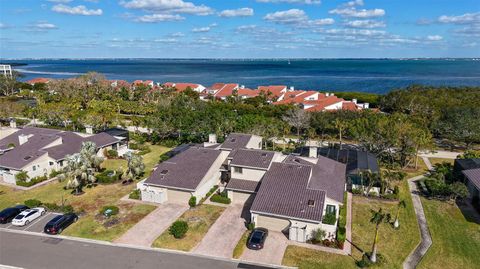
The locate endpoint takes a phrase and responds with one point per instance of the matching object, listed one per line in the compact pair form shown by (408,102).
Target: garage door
(273,224)
(179,197)
(242,198)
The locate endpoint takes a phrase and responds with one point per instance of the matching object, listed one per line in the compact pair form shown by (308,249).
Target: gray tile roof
(284,191)
(327,175)
(356,160)
(466,164)
(236,141)
(251,158)
(243,185)
(186,170)
(473,176)
(39,138)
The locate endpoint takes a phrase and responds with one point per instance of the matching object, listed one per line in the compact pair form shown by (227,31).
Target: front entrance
(298,234)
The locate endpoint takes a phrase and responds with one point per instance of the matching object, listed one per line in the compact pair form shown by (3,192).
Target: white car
(27,216)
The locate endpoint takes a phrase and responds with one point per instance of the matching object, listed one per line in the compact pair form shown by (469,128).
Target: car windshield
(256,237)
(54,220)
(19,217)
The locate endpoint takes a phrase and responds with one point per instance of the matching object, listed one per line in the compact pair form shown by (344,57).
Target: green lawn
(434,161)
(395,245)
(89,225)
(199,220)
(456,237)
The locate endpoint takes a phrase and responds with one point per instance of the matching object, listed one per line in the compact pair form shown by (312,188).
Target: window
(34,168)
(50,163)
(60,163)
(331,209)
(311,202)
(238,170)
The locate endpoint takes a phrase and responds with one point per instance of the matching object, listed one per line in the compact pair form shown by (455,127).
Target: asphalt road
(32,251)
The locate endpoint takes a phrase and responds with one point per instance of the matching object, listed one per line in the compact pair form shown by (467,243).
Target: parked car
(59,223)
(27,216)
(8,214)
(257,238)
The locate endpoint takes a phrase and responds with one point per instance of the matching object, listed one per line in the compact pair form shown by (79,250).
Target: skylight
(164,172)
(311,202)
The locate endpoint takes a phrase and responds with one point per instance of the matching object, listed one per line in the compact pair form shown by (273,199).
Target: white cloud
(308,2)
(354,3)
(461,19)
(45,26)
(4,26)
(349,10)
(204,29)
(241,12)
(60,1)
(434,37)
(319,22)
(291,16)
(77,10)
(168,6)
(159,18)
(177,34)
(365,24)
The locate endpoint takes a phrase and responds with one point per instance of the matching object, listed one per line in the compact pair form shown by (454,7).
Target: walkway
(416,256)
(440,154)
(154,224)
(427,163)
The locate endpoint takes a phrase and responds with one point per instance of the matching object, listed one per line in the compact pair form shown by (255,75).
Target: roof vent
(26,158)
(311,203)
(233,140)
(164,172)
(264,154)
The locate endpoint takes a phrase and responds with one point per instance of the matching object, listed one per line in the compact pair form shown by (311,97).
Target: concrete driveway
(154,224)
(272,252)
(225,233)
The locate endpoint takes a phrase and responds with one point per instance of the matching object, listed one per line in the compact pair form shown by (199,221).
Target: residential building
(38,80)
(468,170)
(192,172)
(38,151)
(180,87)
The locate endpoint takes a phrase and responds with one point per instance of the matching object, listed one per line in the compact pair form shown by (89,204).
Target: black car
(59,223)
(9,213)
(257,238)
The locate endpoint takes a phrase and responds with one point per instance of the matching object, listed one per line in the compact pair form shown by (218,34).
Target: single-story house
(468,170)
(295,195)
(192,172)
(38,151)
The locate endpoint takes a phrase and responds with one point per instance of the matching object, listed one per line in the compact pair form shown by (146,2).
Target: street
(32,251)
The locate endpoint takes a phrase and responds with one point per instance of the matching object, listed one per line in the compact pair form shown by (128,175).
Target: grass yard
(394,245)
(456,238)
(434,161)
(199,220)
(241,245)
(89,224)
(421,169)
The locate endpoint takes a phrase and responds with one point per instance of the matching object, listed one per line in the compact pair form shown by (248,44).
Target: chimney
(212,138)
(88,129)
(22,139)
(312,152)
(242,86)
(327,94)
(13,123)
(366,105)
(292,88)
(354,101)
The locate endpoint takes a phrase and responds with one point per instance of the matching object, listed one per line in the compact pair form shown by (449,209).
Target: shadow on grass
(470,213)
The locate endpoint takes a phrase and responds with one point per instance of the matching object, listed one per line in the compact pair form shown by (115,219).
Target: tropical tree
(297,118)
(401,204)
(340,125)
(378,217)
(9,84)
(135,166)
(80,168)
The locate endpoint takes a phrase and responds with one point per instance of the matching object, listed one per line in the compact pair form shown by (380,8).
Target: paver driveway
(154,224)
(272,252)
(224,234)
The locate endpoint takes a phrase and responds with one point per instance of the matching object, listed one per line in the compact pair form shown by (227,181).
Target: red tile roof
(226,90)
(321,104)
(180,87)
(349,106)
(276,90)
(38,80)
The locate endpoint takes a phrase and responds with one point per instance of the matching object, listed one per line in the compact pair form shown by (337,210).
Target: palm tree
(135,166)
(401,204)
(378,217)
(341,126)
(80,167)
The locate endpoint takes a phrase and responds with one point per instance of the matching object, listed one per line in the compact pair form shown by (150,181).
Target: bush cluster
(142,149)
(329,218)
(32,182)
(108,176)
(192,202)
(111,154)
(50,206)
(164,157)
(54,173)
(33,203)
(220,198)
(114,210)
(135,194)
(178,229)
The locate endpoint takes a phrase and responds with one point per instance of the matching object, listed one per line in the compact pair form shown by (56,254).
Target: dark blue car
(59,223)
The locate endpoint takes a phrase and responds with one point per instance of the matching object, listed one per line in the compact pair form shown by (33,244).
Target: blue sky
(239,28)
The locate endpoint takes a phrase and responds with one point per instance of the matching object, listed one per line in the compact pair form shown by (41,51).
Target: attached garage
(242,197)
(152,194)
(179,197)
(272,223)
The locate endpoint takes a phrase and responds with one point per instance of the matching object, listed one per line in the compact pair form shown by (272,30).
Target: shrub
(11,145)
(22,176)
(192,202)
(32,182)
(135,194)
(133,146)
(318,235)
(357,191)
(67,209)
(33,203)
(114,210)
(108,176)
(218,198)
(163,158)
(212,190)
(329,218)
(178,229)
(54,173)
(251,226)
(111,153)
(389,196)
(341,234)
